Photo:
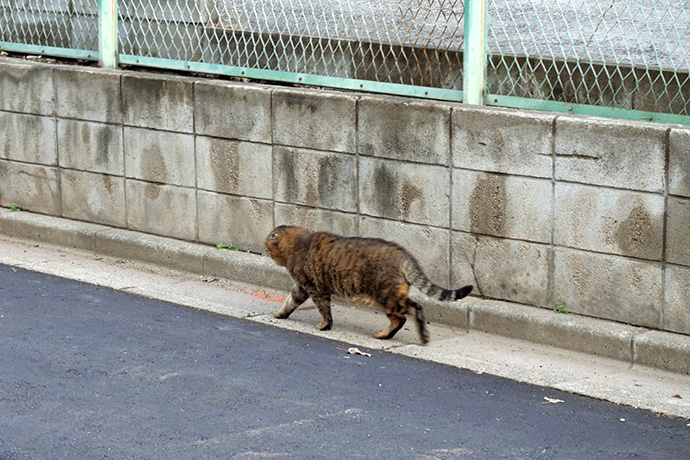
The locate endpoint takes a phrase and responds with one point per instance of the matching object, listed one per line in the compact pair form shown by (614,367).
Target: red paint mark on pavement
(263,295)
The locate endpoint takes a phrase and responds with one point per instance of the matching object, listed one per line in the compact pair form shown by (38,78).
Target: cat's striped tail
(416,277)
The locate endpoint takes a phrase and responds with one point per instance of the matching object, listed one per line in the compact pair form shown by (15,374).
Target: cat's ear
(273,237)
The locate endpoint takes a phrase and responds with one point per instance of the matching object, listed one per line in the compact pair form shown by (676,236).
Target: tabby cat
(369,271)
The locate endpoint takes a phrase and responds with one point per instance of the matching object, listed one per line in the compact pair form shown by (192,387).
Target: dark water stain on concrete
(488,205)
(635,235)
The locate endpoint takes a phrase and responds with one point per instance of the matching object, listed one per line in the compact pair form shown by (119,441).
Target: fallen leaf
(552,400)
(357,351)
(677,396)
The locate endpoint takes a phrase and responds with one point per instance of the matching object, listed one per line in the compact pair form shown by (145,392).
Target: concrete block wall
(536,208)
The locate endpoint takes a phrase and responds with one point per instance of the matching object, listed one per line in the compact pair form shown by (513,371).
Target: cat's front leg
(323,303)
(298,295)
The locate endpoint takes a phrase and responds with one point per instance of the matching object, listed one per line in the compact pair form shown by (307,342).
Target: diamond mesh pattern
(70,24)
(632,54)
(629,54)
(414,42)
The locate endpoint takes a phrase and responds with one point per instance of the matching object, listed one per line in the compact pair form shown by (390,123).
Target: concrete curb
(635,345)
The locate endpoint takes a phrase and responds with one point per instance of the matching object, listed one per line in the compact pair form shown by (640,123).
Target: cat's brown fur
(369,271)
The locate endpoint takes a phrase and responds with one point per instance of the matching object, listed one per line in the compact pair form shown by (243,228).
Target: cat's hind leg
(421,322)
(298,295)
(323,303)
(397,322)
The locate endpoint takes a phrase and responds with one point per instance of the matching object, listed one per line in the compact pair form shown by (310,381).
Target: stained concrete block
(403,129)
(90,197)
(429,245)
(677,304)
(679,162)
(100,103)
(315,219)
(539,325)
(245,223)
(158,101)
(233,111)
(678,231)
(26,87)
(501,269)
(320,120)
(239,168)
(28,138)
(31,187)
(404,191)
(609,287)
(94,147)
(159,156)
(611,221)
(501,140)
(315,179)
(164,210)
(158,250)
(612,153)
(663,350)
(500,205)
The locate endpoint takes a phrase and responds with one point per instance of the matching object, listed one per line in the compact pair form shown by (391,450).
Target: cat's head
(280,243)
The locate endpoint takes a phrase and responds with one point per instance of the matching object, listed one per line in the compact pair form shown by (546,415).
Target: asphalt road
(91,373)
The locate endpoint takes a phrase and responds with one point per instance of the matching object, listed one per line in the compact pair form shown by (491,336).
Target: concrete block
(663,350)
(500,205)
(678,231)
(611,221)
(28,138)
(501,140)
(31,187)
(242,222)
(26,87)
(159,156)
(427,244)
(320,120)
(612,153)
(158,101)
(233,111)
(164,210)
(49,230)
(247,268)
(609,287)
(87,146)
(501,269)
(679,162)
(97,198)
(404,191)
(167,252)
(568,331)
(403,129)
(316,179)
(676,302)
(100,103)
(239,168)
(317,220)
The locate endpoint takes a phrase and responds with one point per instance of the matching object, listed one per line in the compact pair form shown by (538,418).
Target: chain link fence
(50,24)
(620,54)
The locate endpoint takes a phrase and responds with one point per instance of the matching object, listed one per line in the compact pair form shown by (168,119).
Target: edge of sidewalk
(634,345)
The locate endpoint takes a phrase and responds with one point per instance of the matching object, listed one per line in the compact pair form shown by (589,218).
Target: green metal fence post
(474,64)
(107,33)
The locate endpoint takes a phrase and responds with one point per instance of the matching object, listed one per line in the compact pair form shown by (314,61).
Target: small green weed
(15,208)
(225,246)
(560,307)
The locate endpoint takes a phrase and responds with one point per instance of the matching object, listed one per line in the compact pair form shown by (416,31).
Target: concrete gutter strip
(634,345)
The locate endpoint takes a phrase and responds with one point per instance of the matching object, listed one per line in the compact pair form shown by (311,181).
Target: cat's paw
(280,314)
(324,326)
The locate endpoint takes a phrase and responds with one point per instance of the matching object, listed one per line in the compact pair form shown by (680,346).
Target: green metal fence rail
(616,58)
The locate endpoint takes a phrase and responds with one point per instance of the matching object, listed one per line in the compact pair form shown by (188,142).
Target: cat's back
(352,265)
